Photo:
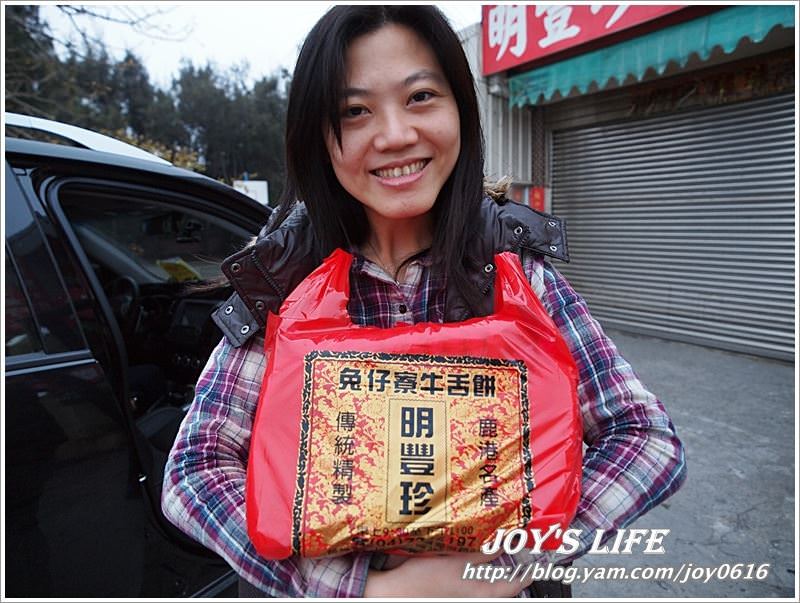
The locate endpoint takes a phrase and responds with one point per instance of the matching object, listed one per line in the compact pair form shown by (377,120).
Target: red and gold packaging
(420,438)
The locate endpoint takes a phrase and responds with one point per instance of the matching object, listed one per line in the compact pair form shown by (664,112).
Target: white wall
(507,131)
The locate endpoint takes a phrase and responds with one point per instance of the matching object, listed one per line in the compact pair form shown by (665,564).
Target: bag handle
(323,294)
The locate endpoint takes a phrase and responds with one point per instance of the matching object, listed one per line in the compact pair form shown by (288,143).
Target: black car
(106,332)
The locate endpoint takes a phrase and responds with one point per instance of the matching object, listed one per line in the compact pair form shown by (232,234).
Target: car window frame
(44,357)
(49,191)
(40,359)
(12,265)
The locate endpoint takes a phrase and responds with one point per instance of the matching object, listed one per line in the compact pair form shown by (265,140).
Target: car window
(21,333)
(54,315)
(152,241)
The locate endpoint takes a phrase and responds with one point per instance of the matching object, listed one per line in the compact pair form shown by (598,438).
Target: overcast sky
(263,35)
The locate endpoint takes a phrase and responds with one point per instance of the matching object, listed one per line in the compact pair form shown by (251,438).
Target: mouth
(397,171)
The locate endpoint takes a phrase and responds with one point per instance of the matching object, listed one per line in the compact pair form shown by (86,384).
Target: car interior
(157,264)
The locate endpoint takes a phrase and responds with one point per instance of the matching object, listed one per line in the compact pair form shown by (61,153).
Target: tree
(35,82)
(90,93)
(202,107)
(164,123)
(268,120)
(135,93)
(208,121)
(31,68)
(235,130)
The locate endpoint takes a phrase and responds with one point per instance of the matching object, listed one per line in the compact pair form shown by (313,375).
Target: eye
(422,96)
(354,111)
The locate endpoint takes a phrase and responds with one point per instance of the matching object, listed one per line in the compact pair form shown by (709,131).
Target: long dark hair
(338,219)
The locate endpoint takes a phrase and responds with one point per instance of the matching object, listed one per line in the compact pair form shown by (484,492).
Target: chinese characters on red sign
(516,34)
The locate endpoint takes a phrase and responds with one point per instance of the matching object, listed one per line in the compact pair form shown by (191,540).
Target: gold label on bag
(412,452)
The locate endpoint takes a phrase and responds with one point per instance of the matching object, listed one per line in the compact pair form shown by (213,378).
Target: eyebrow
(422,74)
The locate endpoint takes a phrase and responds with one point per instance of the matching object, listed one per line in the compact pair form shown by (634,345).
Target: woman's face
(400,125)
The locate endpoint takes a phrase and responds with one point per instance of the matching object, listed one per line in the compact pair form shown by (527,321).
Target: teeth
(406,170)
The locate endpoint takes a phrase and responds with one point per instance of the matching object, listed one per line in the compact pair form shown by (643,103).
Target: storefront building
(666,137)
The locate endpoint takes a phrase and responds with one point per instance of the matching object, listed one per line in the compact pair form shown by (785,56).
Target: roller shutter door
(682,226)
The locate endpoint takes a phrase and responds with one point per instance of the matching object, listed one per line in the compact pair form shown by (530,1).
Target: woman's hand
(439,576)
(392,561)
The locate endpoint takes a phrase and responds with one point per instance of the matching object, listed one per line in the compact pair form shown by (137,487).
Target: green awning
(724,28)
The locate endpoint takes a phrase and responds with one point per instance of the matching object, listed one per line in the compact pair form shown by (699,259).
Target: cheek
(450,134)
(456,140)
(451,139)
(338,159)
(348,158)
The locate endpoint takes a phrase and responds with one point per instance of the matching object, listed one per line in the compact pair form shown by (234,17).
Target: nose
(395,131)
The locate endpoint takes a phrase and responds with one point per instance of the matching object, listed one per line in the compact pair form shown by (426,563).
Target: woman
(384,147)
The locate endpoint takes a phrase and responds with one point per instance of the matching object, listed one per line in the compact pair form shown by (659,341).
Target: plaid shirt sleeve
(633,460)
(204,482)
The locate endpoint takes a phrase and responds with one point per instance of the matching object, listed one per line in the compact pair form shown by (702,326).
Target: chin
(399,205)
(409,213)
(416,205)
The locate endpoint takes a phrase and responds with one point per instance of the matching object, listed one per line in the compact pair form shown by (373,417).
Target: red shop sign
(514,34)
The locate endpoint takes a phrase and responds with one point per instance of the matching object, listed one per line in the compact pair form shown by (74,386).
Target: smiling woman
(385,168)
(399,140)
(398,92)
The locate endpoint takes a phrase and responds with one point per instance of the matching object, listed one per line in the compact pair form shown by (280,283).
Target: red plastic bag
(418,438)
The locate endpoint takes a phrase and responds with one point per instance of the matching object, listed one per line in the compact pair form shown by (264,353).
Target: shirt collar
(362,265)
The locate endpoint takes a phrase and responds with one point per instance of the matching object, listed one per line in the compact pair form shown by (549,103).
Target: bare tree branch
(141,22)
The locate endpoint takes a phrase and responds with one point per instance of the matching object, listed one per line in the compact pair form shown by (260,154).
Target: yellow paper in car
(179,269)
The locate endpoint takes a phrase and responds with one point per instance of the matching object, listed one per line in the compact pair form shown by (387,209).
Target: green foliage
(178,155)
(209,121)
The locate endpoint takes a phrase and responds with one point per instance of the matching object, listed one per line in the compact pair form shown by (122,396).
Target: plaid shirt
(632,462)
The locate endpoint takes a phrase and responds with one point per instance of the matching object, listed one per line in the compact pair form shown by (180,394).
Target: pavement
(735,414)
